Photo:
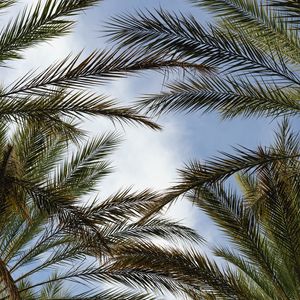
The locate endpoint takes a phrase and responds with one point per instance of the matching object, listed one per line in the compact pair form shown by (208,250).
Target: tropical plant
(261,223)
(249,76)
(58,90)
(50,235)
(44,222)
(253,75)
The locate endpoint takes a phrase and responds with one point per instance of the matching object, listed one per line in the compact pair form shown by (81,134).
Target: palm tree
(261,223)
(50,235)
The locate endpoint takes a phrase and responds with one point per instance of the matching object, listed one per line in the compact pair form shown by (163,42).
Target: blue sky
(146,158)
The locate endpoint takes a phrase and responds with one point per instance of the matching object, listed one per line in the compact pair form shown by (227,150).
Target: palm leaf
(288,9)
(97,68)
(230,97)
(259,21)
(165,33)
(42,22)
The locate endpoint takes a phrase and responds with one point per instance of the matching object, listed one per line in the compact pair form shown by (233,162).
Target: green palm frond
(40,23)
(249,273)
(35,97)
(225,95)
(240,226)
(122,204)
(168,231)
(67,104)
(7,3)
(50,244)
(261,224)
(260,22)
(54,290)
(218,169)
(97,68)
(174,270)
(55,229)
(186,38)
(79,173)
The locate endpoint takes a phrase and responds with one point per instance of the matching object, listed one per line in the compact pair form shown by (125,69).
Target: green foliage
(261,224)
(253,76)
(40,23)
(49,97)
(49,236)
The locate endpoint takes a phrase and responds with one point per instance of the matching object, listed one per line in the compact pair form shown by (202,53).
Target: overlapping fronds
(96,68)
(261,224)
(261,23)
(43,224)
(176,271)
(248,64)
(67,104)
(221,168)
(182,36)
(33,248)
(40,98)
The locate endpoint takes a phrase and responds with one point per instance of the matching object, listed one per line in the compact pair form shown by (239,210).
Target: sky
(148,159)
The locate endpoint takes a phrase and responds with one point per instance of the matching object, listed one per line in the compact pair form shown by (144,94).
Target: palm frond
(122,205)
(218,169)
(261,283)
(97,68)
(165,33)
(159,228)
(67,104)
(175,267)
(261,24)
(79,173)
(38,149)
(228,96)
(240,225)
(289,10)
(42,22)
(7,3)
(54,290)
